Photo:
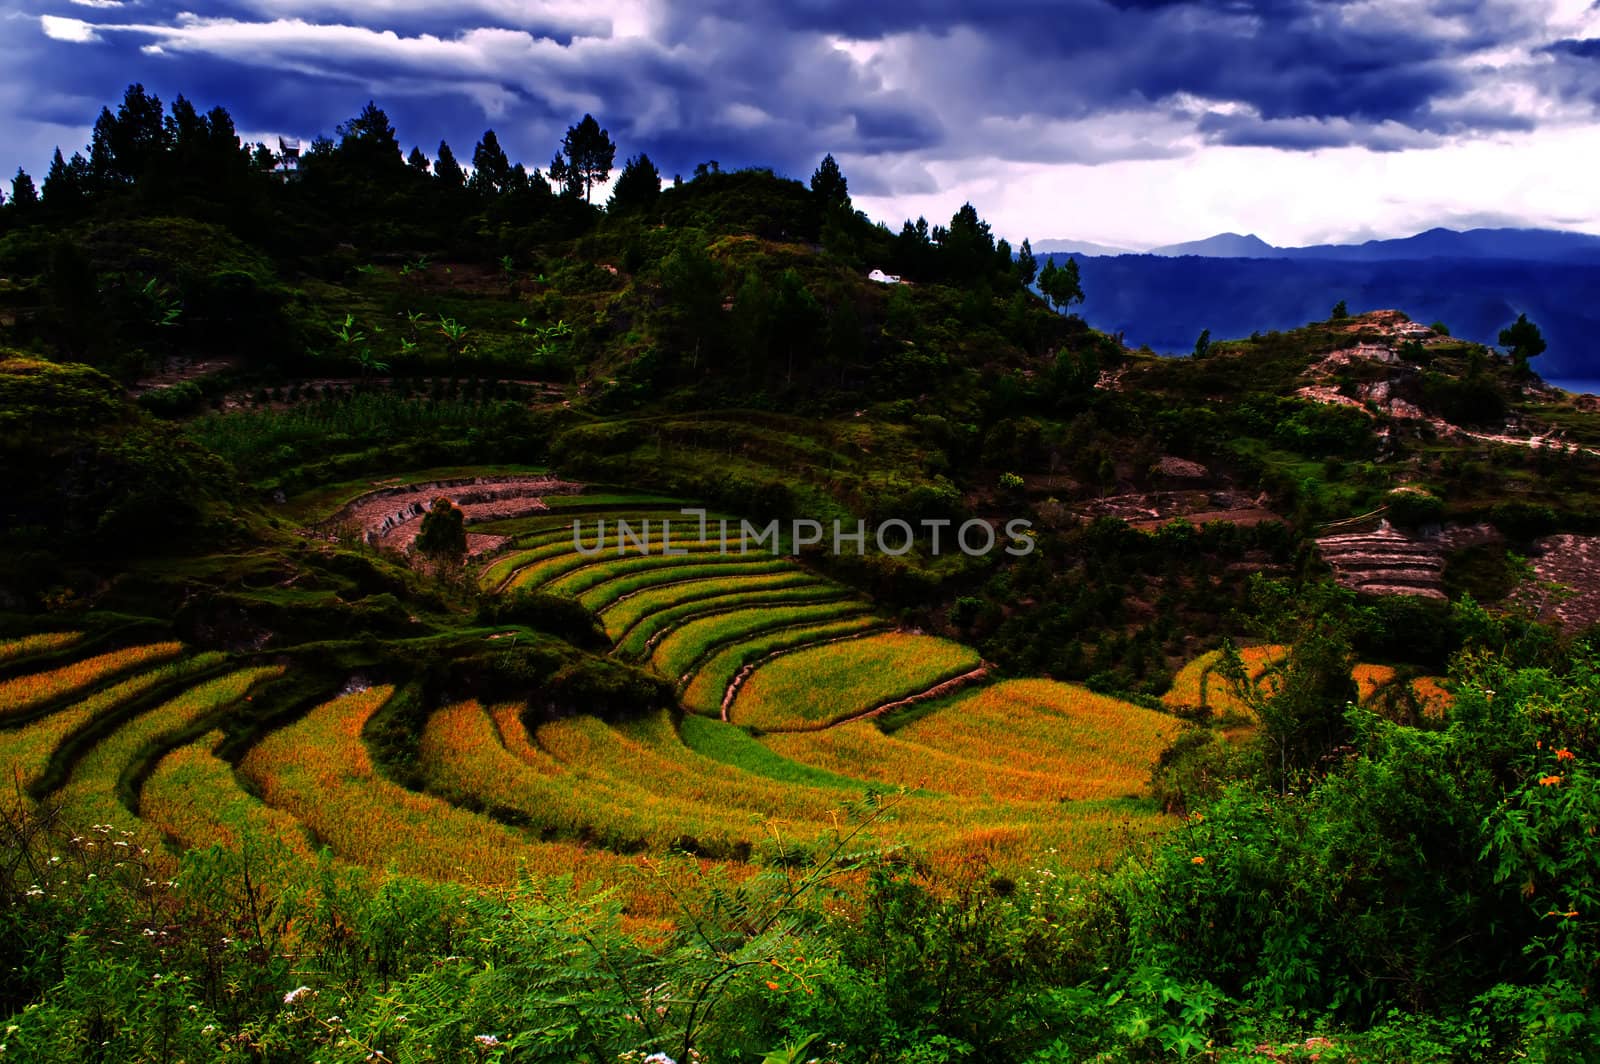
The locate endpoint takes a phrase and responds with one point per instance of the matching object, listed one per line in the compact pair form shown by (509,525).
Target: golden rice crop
(90,791)
(710,682)
(621,615)
(319,771)
(11,649)
(817,686)
(26,751)
(23,693)
(1370,679)
(608,786)
(192,796)
(1091,745)
(1199,685)
(1431,692)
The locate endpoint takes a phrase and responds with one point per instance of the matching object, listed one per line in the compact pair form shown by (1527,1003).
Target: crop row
(602,595)
(23,693)
(624,613)
(709,685)
(1092,745)
(637,641)
(90,794)
(12,649)
(545,574)
(824,684)
(319,771)
(582,779)
(193,797)
(25,752)
(694,640)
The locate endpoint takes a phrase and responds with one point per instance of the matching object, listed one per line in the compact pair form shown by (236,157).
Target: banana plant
(164,309)
(455,334)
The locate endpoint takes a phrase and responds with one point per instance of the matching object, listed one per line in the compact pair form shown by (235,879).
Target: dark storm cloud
(765,81)
(1583,49)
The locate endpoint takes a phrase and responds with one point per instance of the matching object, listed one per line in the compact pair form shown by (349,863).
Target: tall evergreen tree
(368,146)
(64,184)
(446,169)
(1027,265)
(638,188)
(587,153)
(23,194)
(491,169)
(828,183)
(417,161)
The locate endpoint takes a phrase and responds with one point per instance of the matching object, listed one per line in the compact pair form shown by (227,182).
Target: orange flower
(771,985)
(1564,754)
(1197,860)
(1549,781)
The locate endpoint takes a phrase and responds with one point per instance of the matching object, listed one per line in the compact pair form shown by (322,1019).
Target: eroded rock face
(1386,562)
(1566,584)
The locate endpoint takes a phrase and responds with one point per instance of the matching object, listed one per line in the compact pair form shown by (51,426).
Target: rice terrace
(577,615)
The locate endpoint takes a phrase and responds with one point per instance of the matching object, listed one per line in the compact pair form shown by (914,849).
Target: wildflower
(296,994)
(488,1041)
(1564,754)
(659,1058)
(771,985)
(1549,781)
(1197,860)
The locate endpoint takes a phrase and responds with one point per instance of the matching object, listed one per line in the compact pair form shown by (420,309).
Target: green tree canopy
(491,169)
(443,535)
(23,194)
(585,158)
(1027,265)
(828,183)
(1524,340)
(446,169)
(638,188)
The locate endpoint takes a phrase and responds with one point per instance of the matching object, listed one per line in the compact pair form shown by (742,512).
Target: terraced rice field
(823,685)
(15,649)
(319,771)
(1199,685)
(773,661)
(90,794)
(26,751)
(194,798)
(23,693)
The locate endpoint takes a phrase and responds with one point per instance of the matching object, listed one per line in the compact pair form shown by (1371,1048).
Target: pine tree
(491,169)
(417,161)
(638,188)
(1027,265)
(64,183)
(23,194)
(588,153)
(828,183)
(446,169)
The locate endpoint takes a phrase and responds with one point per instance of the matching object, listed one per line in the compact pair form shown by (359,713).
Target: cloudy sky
(1131,122)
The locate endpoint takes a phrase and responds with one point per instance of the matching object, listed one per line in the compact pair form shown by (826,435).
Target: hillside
(446,619)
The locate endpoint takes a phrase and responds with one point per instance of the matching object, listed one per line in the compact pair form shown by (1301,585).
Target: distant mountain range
(1476,282)
(1523,245)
